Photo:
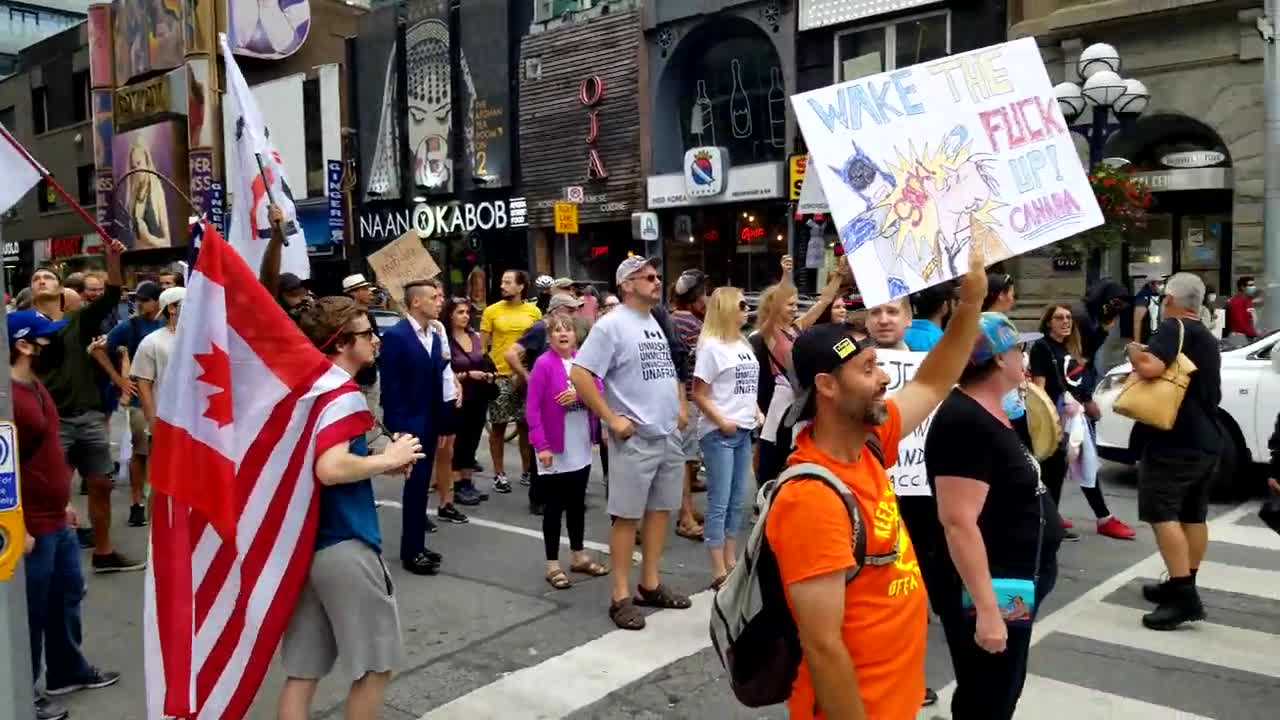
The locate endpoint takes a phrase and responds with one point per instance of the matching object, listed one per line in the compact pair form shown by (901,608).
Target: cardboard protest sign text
(402,261)
(919,163)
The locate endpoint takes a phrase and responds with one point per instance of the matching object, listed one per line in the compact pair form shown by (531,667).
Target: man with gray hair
(1178,465)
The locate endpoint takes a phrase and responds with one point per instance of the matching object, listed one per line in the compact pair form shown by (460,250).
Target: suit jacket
(412,380)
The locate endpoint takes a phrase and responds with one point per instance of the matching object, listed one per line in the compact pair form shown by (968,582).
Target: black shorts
(1174,486)
(447,419)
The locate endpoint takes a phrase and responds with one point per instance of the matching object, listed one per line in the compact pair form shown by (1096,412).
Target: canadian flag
(246,404)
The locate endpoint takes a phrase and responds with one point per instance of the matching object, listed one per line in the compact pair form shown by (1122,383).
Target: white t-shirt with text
(732,371)
(628,351)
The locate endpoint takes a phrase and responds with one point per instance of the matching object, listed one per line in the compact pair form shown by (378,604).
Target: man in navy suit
(411,364)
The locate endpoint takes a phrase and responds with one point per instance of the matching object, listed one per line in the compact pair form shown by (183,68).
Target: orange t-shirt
(885,607)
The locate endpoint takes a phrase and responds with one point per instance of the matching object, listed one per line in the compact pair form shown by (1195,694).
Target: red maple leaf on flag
(216,367)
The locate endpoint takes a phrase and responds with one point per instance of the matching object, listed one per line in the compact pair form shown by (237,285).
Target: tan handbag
(1155,401)
(1043,424)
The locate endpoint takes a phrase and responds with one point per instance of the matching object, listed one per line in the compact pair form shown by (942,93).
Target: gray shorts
(346,611)
(646,474)
(690,445)
(84,442)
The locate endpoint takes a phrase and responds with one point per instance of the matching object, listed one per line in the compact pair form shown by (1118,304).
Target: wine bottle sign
(702,124)
(777,109)
(739,104)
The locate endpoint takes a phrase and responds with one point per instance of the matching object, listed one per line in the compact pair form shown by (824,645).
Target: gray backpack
(751,626)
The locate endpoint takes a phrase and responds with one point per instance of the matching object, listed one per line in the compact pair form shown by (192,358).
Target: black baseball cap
(820,349)
(289,282)
(147,290)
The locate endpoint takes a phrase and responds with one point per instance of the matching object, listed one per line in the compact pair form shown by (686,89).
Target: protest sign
(908,475)
(919,163)
(402,261)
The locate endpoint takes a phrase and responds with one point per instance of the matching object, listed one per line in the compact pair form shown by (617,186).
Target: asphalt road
(487,638)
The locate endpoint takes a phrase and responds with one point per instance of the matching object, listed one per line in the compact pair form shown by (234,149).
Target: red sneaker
(1067,524)
(1112,527)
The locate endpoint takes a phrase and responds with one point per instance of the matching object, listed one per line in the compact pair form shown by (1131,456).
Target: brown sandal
(690,532)
(590,567)
(558,580)
(626,615)
(662,597)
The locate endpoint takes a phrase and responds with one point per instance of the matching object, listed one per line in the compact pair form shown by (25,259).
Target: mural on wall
(101,58)
(102,128)
(200,101)
(484,38)
(733,95)
(375,56)
(197,26)
(267,29)
(149,213)
(429,95)
(148,37)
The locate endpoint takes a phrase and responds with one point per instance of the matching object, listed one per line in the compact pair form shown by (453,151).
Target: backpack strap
(815,471)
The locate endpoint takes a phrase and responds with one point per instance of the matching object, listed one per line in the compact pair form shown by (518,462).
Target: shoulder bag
(1155,401)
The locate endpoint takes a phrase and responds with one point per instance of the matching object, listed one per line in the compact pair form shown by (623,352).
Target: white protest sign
(908,475)
(919,163)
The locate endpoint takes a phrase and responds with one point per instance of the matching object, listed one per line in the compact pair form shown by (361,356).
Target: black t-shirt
(1197,427)
(1010,520)
(1050,360)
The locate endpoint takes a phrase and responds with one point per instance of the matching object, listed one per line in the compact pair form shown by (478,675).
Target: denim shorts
(84,442)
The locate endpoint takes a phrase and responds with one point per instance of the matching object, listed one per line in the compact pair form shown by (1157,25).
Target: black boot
(1159,592)
(1181,605)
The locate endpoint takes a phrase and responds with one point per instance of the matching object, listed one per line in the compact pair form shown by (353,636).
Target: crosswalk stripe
(1044,699)
(1204,642)
(1248,535)
(558,686)
(1237,579)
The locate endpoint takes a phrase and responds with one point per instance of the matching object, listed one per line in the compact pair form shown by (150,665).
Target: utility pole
(16,683)
(1271,186)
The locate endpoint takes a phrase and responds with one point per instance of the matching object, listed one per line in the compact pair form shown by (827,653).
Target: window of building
(24,16)
(85,191)
(316,171)
(46,196)
(39,113)
(8,64)
(545,10)
(889,46)
(80,96)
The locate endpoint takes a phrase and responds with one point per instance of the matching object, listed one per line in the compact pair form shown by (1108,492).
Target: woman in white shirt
(725,379)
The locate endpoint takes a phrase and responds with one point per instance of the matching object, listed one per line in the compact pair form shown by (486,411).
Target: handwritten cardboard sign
(908,474)
(919,164)
(402,261)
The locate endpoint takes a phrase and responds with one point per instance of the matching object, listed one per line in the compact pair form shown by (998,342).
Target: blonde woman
(725,378)
(777,330)
(148,212)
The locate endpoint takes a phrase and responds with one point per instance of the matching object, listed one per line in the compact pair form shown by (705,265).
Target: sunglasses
(363,333)
(651,277)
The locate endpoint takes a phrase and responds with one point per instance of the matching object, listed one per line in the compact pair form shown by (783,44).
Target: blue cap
(998,334)
(30,324)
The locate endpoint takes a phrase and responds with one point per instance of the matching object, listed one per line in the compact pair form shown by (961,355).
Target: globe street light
(1103,90)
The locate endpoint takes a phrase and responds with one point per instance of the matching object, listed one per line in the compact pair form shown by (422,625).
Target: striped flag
(245,406)
(19,172)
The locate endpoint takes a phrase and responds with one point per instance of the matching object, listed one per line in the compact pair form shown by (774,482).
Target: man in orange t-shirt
(863,641)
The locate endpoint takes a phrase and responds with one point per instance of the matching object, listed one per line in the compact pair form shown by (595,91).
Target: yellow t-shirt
(505,323)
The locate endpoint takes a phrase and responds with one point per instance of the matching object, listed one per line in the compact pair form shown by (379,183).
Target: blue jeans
(55,587)
(728,463)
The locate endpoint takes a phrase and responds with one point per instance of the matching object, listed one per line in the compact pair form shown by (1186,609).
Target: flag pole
(48,176)
(266,184)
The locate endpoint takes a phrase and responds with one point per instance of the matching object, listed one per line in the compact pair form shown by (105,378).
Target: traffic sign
(566,218)
(575,194)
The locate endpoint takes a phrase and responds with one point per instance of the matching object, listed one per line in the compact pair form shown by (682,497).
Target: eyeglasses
(363,333)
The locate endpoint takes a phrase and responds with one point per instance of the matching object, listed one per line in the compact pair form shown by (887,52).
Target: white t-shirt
(628,351)
(732,371)
(436,327)
(152,358)
(577,437)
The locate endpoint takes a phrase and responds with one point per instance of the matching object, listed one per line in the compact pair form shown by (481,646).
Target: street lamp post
(1106,94)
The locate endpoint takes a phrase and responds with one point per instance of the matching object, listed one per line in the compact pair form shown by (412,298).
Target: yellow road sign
(566,218)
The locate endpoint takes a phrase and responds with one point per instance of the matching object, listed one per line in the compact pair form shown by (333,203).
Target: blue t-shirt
(129,334)
(347,511)
(922,335)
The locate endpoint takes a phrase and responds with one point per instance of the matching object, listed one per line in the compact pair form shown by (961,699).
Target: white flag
(250,232)
(17,173)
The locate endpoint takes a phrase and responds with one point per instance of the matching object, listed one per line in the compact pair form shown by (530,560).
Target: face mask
(46,357)
(1211,298)
(1251,290)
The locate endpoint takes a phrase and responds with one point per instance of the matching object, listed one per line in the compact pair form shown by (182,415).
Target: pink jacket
(545,416)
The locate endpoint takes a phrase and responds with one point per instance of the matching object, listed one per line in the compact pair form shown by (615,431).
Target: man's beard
(513,295)
(876,413)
